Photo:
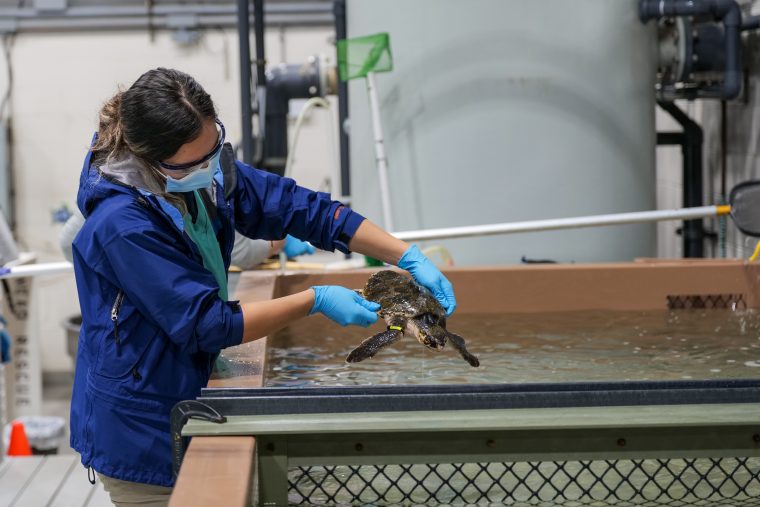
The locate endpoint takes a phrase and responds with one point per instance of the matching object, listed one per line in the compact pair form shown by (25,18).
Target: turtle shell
(399,295)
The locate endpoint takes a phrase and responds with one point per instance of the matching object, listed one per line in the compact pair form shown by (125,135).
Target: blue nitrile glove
(426,274)
(343,305)
(295,247)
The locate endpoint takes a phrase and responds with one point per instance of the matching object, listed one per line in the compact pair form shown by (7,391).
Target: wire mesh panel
(643,482)
(707,301)
(633,443)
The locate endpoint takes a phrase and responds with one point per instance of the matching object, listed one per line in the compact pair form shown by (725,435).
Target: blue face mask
(197,179)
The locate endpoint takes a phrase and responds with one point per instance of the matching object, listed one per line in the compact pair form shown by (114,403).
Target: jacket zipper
(115,319)
(115,315)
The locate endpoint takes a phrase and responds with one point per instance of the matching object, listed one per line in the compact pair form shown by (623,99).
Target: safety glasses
(197,164)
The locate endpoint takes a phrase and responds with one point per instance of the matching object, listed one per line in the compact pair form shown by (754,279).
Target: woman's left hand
(430,277)
(295,247)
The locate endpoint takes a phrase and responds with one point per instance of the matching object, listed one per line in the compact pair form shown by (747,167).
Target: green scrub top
(202,234)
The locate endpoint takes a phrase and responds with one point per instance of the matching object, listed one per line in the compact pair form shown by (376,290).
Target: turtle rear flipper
(373,344)
(458,343)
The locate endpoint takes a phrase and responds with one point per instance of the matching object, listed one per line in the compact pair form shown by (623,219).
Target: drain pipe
(339,9)
(246,111)
(258,31)
(751,23)
(690,141)
(726,11)
(261,79)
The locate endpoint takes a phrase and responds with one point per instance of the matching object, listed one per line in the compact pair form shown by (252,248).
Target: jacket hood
(123,174)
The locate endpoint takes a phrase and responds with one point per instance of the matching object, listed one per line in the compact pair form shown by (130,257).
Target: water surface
(546,347)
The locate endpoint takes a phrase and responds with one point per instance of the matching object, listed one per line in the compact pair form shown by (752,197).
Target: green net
(360,55)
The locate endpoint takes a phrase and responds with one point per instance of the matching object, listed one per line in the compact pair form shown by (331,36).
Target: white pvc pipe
(54,268)
(308,105)
(560,223)
(48,268)
(382,161)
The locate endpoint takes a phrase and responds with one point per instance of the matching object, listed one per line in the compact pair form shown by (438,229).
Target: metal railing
(624,443)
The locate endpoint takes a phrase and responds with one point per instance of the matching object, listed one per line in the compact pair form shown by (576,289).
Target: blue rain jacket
(152,318)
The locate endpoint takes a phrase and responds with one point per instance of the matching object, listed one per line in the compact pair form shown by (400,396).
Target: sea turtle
(407,307)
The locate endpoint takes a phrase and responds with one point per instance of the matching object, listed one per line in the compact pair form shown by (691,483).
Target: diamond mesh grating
(646,482)
(707,301)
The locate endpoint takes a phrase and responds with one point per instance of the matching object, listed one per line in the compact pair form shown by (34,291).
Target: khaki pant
(126,494)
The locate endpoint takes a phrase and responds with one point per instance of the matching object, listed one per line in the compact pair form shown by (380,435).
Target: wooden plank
(255,286)
(569,287)
(20,472)
(215,471)
(99,497)
(46,481)
(4,465)
(75,489)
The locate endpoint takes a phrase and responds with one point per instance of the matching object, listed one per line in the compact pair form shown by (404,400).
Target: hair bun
(110,132)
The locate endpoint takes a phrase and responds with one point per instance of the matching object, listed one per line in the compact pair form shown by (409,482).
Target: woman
(163,196)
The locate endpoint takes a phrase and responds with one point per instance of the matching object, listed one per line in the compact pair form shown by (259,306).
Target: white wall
(59,83)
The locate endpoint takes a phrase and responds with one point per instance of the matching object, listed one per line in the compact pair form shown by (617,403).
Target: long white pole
(48,268)
(382,161)
(54,268)
(560,223)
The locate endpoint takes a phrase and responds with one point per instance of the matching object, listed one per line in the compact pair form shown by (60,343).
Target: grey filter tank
(504,111)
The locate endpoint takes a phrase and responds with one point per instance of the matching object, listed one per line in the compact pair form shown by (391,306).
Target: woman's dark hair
(161,111)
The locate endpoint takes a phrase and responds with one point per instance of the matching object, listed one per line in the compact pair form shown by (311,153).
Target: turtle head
(430,330)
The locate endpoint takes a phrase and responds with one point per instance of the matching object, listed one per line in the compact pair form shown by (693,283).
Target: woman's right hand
(343,305)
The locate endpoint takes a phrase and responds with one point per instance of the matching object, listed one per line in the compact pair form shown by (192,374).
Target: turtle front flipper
(373,344)
(458,343)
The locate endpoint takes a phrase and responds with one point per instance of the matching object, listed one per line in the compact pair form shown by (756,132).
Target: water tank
(504,111)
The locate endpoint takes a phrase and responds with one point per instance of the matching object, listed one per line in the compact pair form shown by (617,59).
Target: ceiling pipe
(13,20)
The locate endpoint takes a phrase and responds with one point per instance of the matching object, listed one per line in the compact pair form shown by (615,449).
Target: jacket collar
(125,174)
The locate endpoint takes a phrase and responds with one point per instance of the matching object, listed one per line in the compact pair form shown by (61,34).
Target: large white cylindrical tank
(511,110)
